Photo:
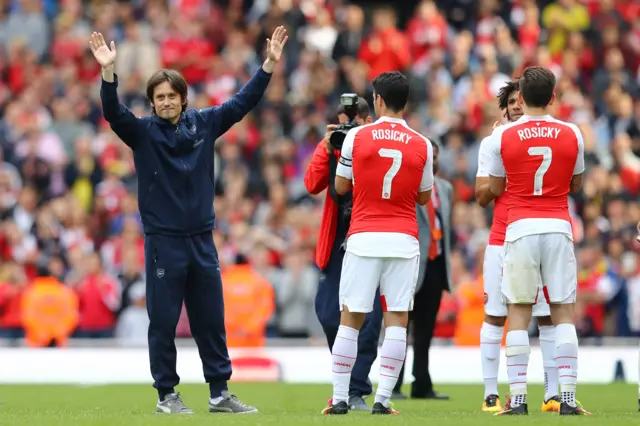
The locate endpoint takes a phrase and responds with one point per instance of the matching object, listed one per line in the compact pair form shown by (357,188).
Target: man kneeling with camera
(352,112)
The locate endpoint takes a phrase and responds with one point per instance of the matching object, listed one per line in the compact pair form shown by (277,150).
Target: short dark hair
(505,93)
(174,78)
(393,88)
(362,107)
(537,85)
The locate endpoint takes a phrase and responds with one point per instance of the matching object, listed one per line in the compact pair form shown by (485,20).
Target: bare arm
(343,185)
(576,183)
(484,196)
(424,197)
(497,185)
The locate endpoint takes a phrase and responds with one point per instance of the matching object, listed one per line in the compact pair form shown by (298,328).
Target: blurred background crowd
(68,201)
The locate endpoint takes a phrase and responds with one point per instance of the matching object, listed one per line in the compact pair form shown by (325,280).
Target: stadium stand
(68,191)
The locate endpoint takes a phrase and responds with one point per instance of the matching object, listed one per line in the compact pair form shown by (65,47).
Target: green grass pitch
(285,404)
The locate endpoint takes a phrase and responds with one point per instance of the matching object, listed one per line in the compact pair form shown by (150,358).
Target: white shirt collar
(391,120)
(535,117)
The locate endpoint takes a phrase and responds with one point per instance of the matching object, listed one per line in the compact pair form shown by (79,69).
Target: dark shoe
(378,408)
(339,408)
(431,395)
(568,410)
(398,395)
(508,410)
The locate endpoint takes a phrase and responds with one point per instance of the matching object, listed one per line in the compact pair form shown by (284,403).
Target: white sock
(639,375)
(518,351)
(490,338)
(567,361)
(548,349)
(343,356)
(392,355)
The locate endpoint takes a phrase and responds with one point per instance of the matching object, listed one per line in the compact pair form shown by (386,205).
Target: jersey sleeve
(579,167)
(344,168)
(484,159)
(426,183)
(495,164)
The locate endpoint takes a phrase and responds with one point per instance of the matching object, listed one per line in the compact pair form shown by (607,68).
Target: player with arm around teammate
(495,308)
(543,160)
(389,166)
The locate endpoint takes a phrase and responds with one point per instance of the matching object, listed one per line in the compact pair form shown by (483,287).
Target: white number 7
(393,170)
(546,153)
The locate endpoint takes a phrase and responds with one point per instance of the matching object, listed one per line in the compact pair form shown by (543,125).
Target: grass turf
(285,404)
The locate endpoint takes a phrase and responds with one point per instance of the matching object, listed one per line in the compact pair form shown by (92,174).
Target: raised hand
(275,45)
(105,56)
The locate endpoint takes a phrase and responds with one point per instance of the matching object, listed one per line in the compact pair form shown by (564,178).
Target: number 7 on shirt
(546,154)
(396,156)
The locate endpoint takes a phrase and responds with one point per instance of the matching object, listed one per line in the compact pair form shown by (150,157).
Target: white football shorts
(547,257)
(494,303)
(361,276)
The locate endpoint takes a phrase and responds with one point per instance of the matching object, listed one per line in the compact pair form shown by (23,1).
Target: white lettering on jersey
(539,132)
(392,135)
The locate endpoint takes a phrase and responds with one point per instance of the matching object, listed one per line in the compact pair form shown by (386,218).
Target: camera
(349,102)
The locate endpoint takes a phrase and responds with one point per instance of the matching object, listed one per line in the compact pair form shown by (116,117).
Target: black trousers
(422,322)
(328,312)
(185,269)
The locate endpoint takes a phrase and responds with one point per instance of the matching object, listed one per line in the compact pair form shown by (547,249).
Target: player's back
(540,157)
(388,161)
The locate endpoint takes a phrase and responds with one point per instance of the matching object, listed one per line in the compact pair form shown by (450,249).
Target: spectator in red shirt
(188,51)
(12,285)
(426,31)
(386,48)
(99,296)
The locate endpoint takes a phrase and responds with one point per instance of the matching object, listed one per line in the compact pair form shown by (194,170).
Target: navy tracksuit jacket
(174,164)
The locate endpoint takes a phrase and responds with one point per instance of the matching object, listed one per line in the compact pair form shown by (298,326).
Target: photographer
(320,175)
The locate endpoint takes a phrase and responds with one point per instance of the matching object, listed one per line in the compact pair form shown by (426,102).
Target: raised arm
(121,120)
(235,109)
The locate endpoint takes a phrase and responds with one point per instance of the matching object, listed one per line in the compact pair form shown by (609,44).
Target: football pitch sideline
(284,404)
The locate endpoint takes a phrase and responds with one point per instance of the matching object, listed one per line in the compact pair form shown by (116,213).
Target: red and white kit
(494,253)
(389,163)
(538,156)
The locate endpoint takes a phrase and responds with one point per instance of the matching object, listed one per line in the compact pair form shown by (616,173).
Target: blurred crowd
(68,200)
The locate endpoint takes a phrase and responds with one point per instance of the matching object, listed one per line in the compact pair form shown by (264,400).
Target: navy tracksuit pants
(328,312)
(185,269)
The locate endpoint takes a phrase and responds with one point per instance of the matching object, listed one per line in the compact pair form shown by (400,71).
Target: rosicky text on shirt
(539,132)
(391,135)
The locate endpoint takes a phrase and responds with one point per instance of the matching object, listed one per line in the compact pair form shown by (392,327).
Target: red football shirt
(538,156)
(389,164)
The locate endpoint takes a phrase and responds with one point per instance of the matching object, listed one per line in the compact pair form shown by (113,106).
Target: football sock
(567,361)
(490,338)
(548,349)
(392,353)
(343,356)
(518,351)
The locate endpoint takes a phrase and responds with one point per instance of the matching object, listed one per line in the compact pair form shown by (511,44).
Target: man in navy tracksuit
(173,155)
